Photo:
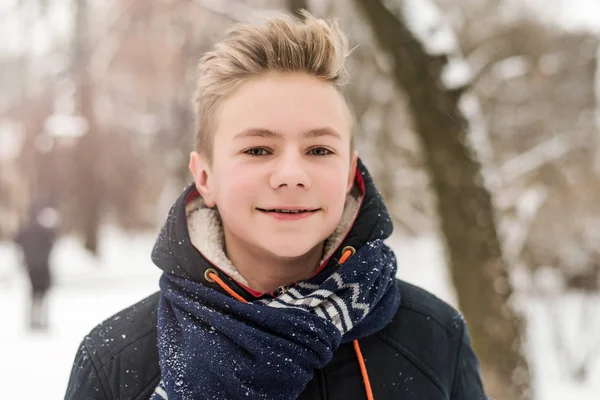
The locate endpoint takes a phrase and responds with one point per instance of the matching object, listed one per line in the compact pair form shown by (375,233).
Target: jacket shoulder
(119,356)
(428,331)
(125,328)
(430,309)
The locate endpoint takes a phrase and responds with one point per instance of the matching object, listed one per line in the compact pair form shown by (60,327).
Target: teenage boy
(277,283)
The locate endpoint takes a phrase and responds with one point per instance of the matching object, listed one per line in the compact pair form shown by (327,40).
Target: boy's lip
(288,214)
(287,208)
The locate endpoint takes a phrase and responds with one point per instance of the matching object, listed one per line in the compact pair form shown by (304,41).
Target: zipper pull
(281,290)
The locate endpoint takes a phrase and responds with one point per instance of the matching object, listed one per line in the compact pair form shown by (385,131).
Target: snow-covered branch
(544,153)
(426,22)
(515,232)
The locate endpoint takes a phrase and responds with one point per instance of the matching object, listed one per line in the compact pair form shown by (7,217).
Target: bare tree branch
(515,232)
(544,153)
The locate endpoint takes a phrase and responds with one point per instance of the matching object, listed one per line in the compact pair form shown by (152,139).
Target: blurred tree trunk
(34,105)
(27,160)
(86,154)
(464,205)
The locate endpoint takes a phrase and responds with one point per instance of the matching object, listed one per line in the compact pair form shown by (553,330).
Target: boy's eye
(256,151)
(320,151)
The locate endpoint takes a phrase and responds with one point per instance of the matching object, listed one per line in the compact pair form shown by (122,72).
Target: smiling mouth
(286,211)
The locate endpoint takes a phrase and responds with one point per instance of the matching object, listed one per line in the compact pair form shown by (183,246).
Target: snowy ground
(35,366)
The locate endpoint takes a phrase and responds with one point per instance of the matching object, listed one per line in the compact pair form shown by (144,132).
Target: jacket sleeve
(85,382)
(467,382)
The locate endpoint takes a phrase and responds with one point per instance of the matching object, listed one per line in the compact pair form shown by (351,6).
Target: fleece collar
(206,232)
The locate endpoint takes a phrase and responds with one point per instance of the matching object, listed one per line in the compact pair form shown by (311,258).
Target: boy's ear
(202,178)
(352,175)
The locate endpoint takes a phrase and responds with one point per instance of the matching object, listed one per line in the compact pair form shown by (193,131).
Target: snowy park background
(95,114)
(37,365)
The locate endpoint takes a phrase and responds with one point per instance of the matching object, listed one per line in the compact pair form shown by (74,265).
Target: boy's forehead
(285,104)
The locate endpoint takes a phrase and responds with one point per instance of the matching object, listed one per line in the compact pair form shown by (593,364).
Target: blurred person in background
(36,238)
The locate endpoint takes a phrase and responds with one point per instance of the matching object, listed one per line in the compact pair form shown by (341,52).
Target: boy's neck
(266,273)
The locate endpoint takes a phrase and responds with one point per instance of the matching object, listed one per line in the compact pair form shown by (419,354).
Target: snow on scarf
(211,346)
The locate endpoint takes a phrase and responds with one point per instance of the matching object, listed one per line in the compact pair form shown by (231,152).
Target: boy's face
(281,166)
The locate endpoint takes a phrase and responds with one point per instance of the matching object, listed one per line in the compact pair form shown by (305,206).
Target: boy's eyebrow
(266,133)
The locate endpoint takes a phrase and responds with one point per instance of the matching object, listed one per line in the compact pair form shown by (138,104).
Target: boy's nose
(290,172)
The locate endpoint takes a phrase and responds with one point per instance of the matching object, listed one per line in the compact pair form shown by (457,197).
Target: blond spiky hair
(284,44)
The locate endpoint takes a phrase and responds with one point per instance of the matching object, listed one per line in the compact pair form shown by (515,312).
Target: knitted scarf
(212,346)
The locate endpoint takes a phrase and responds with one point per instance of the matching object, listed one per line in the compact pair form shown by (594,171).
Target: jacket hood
(190,241)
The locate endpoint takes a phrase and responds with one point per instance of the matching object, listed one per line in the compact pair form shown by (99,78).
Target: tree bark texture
(464,206)
(87,155)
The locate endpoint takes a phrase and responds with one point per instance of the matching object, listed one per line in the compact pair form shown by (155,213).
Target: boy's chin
(287,252)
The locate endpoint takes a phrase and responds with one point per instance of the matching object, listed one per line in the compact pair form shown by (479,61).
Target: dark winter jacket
(423,353)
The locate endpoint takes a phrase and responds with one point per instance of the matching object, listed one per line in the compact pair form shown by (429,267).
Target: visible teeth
(289,211)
